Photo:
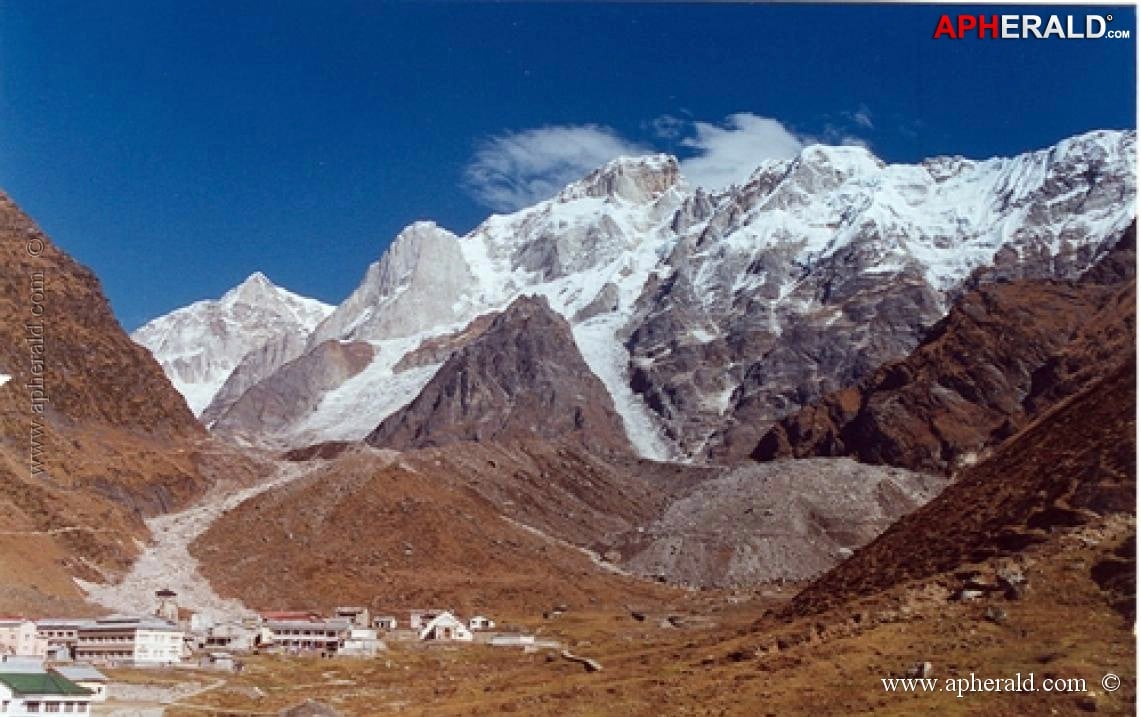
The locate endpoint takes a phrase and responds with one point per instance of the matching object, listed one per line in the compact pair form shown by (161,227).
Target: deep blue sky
(175,147)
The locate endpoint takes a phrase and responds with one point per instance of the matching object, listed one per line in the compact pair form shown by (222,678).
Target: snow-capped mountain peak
(259,293)
(199,345)
(632,179)
(254,287)
(701,310)
(419,279)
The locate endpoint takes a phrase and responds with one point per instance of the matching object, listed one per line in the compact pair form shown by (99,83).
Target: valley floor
(834,663)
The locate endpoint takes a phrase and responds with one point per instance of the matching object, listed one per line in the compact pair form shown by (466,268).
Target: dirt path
(166,562)
(59,531)
(594,557)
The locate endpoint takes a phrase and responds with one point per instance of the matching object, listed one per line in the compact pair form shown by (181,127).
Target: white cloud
(517,169)
(728,153)
(863,117)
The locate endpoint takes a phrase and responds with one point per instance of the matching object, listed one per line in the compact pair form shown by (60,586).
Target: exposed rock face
(416,284)
(1105,334)
(632,179)
(523,378)
(436,350)
(311,708)
(91,433)
(708,316)
(606,301)
(1076,461)
(820,269)
(258,364)
(790,520)
(292,392)
(201,344)
(1004,353)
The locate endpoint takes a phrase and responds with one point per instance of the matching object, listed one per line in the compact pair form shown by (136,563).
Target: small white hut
(479,622)
(446,626)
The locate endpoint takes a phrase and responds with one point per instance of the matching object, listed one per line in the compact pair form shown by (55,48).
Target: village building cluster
(49,665)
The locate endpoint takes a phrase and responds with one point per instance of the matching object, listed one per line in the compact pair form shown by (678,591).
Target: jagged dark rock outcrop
(1075,462)
(522,378)
(1005,353)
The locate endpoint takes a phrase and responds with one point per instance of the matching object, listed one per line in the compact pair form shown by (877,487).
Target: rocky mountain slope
(289,393)
(92,436)
(708,316)
(784,521)
(1072,464)
(519,524)
(1005,353)
(199,345)
(522,378)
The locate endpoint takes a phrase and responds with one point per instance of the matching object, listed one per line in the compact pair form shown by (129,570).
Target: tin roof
(41,683)
(86,673)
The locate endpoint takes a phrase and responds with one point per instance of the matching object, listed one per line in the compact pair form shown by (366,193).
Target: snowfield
(602,250)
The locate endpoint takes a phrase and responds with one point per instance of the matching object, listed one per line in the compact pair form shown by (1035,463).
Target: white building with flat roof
(385,622)
(361,642)
(479,622)
(138,641)
(59,636)
(88,677)
(308,635)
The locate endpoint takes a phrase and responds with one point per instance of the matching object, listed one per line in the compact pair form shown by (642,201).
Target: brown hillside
(1072,464)
(117,441)
(400,531)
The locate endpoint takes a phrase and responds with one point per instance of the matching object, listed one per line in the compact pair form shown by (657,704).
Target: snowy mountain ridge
(199,345)
(705,311)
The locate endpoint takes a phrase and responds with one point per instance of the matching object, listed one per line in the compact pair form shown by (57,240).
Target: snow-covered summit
(691,304)
(199,345)
(418,280)
(632,179)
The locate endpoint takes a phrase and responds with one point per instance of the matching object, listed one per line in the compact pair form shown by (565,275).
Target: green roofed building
(31,694)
